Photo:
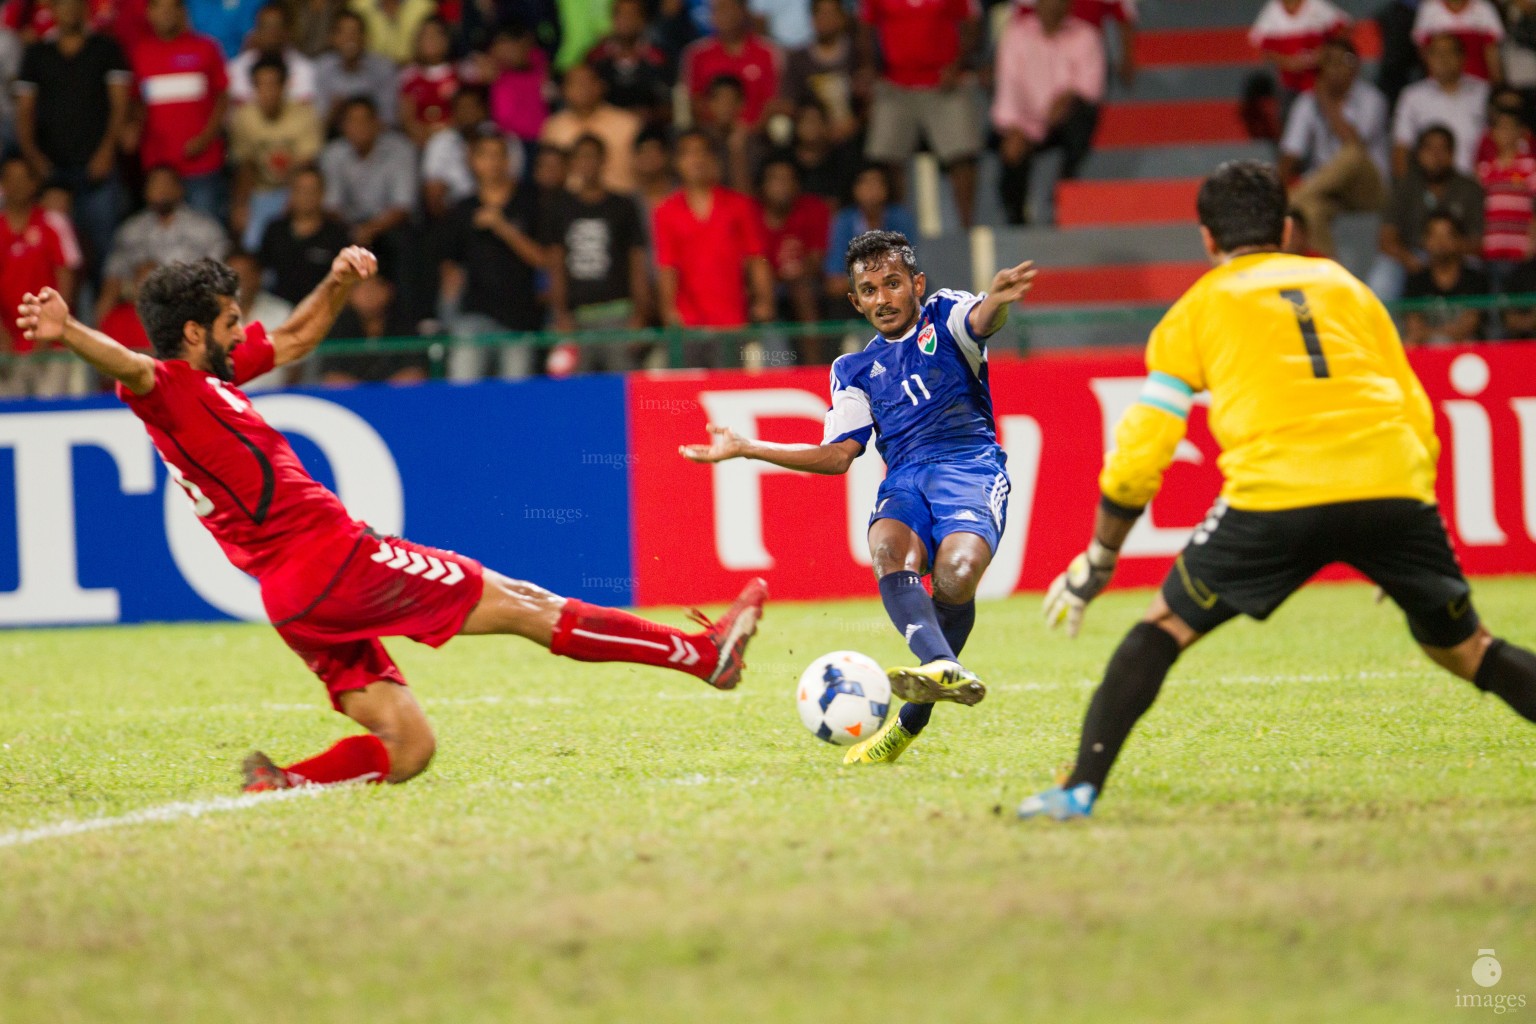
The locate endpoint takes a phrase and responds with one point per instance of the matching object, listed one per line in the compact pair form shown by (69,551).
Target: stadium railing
(774,344)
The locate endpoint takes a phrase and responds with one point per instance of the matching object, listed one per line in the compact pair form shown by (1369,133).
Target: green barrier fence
(776,341)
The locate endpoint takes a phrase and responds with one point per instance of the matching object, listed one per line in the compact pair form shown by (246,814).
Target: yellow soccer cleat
(883,747)
(936,681)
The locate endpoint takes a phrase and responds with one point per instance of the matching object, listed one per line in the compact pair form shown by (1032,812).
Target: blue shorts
(937,499)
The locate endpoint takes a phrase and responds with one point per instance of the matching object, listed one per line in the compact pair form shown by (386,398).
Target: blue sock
(955,621)
(912,611)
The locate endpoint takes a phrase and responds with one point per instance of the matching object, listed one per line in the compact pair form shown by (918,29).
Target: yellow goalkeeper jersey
(1311,396)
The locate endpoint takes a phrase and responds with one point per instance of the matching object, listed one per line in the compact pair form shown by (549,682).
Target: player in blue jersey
(920,387)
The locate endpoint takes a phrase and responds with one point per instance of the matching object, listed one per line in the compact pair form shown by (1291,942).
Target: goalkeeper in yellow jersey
(1328,452)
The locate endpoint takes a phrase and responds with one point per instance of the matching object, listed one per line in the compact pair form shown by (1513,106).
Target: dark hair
(162,168)
(588,139)
(487,132)
(872,246)
(348,14)
(1433,130)
(1243,203)
(474,92)
(725,81)
(270,62)
(360,100)
(275,5)
(179,292)
(653,134)
(1341,43)
(778,158)
(693,133)
(1449,218)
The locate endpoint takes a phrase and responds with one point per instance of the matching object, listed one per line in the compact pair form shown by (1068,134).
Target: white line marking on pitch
(164,812)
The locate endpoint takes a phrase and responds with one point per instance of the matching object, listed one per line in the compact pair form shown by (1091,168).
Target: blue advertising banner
(530,478)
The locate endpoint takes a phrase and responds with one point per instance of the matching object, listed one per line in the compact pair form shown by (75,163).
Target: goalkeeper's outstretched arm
(1146,439)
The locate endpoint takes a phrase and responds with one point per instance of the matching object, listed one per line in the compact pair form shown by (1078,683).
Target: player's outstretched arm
(725,443)
(45,319)
(311,320)
(1008,286)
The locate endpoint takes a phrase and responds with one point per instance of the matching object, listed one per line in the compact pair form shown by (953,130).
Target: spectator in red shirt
(1508,177)
(1291,33)
(925,89)
(428,85)
(795,229)
(37,250)
(737,51)
(706,238)
(183,91)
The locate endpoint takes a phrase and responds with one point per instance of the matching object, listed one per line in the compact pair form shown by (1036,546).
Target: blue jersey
(925,396)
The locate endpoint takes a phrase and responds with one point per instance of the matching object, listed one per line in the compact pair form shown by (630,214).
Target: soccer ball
(843,697)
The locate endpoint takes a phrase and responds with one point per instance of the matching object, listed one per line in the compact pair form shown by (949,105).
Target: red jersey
(245,482)
(1284,33)
(709,254)
(802,238)
(430,91)
(121,323)
(919,38)
(757,64)
(180,81)
(30,260)
(1097,13)
(1508,188)
(32,16)
(1478,26)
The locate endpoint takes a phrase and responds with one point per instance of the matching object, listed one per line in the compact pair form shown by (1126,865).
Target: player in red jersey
(332,586)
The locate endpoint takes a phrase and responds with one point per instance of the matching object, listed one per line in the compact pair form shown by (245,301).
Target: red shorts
(386,587)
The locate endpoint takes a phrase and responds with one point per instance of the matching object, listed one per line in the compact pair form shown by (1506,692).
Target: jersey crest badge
(928,340)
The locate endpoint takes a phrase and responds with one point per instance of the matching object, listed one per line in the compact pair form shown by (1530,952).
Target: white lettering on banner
(1022,440)
(1472,454)
(738,491)
(1525,412)
(48,590)
(367,481)
(1146,540)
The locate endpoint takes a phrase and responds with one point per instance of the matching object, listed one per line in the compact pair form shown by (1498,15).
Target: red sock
(355,759)
(590,632)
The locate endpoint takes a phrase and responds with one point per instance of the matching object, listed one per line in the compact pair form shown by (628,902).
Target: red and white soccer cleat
(262,775)
(731,632)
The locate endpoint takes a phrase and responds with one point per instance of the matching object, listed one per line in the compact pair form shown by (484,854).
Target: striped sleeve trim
(1166,392)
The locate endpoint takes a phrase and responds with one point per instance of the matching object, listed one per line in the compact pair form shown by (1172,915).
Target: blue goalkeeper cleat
(1061,803)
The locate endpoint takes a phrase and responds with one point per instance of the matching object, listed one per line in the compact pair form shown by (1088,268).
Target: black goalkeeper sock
(1131,682)
(1510,672)
(956,622)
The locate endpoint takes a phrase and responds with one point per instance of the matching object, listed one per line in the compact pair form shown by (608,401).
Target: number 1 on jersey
(1298,300)
(920,386)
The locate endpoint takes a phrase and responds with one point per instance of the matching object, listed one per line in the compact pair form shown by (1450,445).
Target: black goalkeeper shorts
(1248,563)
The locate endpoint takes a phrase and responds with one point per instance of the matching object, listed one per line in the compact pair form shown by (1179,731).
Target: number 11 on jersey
(915,379)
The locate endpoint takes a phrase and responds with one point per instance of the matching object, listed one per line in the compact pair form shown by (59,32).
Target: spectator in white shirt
(1338,133)
(1449,96)
(271,37)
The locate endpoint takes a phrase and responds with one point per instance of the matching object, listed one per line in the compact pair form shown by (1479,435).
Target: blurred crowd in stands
(1439,146)
(582,165)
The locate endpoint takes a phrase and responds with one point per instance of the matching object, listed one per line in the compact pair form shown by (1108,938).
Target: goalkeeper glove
(1085,578)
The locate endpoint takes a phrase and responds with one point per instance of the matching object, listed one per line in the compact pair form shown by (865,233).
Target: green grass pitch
(1313,824)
